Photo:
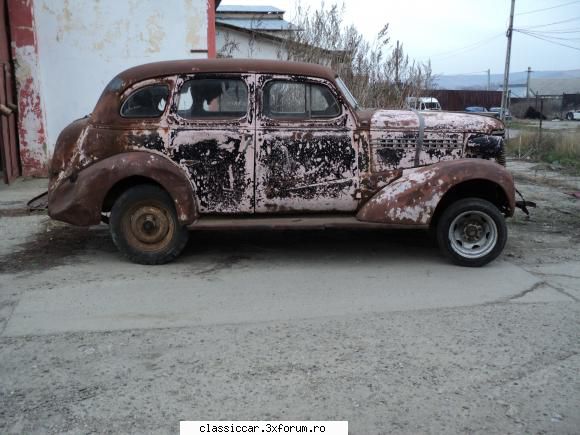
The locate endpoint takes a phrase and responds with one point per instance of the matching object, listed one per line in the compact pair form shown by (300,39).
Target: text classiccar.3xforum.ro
(267,428)
(275,427)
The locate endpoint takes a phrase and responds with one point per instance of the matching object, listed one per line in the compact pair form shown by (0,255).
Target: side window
(322,102)
(285,99)
(146,102)
(213,98)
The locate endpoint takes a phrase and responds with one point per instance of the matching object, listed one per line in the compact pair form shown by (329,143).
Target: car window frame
(129,92)
(309,119)
(210,119)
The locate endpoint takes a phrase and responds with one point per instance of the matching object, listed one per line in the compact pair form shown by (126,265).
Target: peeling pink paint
(31,122)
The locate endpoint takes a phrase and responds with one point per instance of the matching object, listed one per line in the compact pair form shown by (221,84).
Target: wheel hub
(149,224)
(472,231)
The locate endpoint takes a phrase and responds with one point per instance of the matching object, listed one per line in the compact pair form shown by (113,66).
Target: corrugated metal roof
(253,24)
(248,9)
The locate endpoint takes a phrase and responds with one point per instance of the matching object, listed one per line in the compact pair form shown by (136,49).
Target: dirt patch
(17,212)
(552,232)
(224,263)
(54,245)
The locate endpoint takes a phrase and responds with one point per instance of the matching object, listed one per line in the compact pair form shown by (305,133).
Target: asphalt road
(371,327)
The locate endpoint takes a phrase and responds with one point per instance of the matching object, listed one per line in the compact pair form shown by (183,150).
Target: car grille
(403,143)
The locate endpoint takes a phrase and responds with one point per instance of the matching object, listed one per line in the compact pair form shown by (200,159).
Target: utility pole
(528,82)
(506,72)
(488,79)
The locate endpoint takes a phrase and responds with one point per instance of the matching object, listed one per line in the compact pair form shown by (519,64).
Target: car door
(213,138)
(306,158)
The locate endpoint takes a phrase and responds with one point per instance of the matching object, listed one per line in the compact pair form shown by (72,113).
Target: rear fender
(79,198)
(413,198)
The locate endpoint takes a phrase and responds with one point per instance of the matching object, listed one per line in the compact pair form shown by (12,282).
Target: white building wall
(83,44)
(248,45)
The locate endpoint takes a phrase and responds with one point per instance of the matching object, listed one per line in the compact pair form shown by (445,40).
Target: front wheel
(472,232)
(144,226)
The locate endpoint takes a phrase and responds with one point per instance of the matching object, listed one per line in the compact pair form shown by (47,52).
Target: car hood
(406,120)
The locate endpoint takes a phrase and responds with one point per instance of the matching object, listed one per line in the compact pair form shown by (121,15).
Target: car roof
(193,66)
(106,109)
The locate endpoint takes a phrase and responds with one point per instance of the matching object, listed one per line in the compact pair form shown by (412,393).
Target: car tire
(471,232)
(144,226)
(569,116)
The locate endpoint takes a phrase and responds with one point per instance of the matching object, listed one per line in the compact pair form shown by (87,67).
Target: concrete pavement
(106,293)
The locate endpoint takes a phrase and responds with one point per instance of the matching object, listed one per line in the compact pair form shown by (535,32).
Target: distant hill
(479,81)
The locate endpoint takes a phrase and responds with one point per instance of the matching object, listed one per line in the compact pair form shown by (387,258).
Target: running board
(290,222)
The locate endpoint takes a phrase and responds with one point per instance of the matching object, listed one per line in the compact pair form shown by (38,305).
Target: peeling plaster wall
(247,46)
(83,44)
(31,121)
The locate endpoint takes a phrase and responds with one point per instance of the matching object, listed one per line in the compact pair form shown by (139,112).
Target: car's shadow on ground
(66,244)
(289,245)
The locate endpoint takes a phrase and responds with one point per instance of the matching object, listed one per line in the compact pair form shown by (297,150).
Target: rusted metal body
(413,198)
(383,166)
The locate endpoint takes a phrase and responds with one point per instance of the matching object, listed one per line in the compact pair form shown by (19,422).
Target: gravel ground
(503,368)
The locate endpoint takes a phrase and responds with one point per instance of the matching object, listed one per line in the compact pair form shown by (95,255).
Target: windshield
(351,100)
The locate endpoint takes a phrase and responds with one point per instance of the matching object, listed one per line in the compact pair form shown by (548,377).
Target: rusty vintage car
(179,145)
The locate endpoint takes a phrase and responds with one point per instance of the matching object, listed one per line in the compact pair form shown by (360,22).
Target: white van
(422,103)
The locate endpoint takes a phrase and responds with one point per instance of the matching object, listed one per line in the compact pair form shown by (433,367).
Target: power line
(561,31)
(467,47)
(547,32)
(559,38)
(547,37)
(551,24)
(547,40)
(546,9)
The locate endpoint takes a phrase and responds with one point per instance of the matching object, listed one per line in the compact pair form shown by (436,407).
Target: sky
(465,36)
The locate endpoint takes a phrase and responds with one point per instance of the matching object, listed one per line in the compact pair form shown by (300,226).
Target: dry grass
(378,73)
(552,146)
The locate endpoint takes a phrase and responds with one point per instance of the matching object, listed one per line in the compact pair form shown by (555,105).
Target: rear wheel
(472,232)
(144,226)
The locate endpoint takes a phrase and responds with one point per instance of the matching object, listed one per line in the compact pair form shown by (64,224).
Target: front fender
(79,199)
(413,198)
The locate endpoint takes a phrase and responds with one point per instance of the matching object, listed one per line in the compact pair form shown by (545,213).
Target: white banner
(260,427)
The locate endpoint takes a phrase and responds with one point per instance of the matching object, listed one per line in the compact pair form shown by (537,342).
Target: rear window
(146,102)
